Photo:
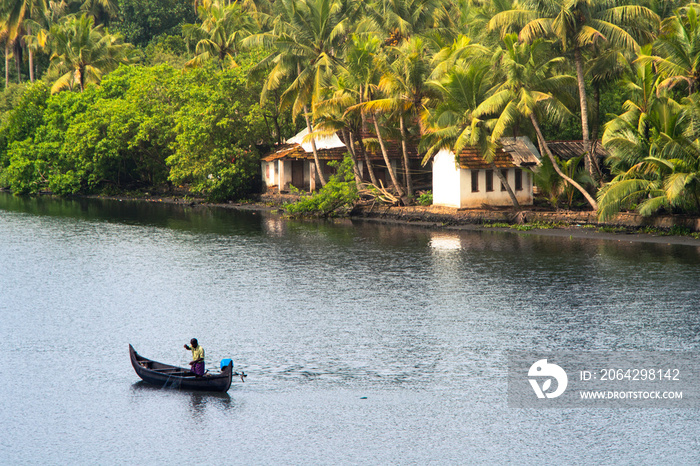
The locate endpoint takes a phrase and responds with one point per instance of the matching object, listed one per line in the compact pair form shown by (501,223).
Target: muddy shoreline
(627,227)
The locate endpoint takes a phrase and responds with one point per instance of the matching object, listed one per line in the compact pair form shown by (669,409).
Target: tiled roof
(566,150)
(514,152)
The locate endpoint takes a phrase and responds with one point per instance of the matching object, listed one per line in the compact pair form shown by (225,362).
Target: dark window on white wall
(475,181)
(518,179)
(489,180)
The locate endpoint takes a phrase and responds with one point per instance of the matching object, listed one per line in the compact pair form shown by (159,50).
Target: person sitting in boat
(197,363)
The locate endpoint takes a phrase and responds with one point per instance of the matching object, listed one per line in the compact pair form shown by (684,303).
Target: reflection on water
(199,402)
(362,341)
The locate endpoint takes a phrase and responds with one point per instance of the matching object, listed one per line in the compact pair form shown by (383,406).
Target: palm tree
(678,50)
(361,77)
(626,136)
(529,92)
(579,25)
(654,148)
(667,172)
(41,23)
(17,12)
(5,39)
(308,40)
(100,9)
(399,20)
(221,32)
(83,52)
(404,83)
(455,123)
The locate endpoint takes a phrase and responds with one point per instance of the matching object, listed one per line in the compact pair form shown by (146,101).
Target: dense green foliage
(339,194)
(203,84)
(142,127)
(140,21)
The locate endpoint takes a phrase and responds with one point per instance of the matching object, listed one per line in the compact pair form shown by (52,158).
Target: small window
(475,181)
(518,179)
(489,180)
(504,172)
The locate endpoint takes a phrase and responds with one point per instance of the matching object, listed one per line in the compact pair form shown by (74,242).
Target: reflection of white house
(471,181)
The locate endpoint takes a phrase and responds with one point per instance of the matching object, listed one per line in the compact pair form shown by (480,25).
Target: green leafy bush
(339,193)
(426,198)
(143,127)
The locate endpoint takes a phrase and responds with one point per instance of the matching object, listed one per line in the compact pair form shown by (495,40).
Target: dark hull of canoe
(167,376)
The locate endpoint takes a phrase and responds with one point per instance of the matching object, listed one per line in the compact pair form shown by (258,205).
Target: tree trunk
(31,58)
(313,141)
(351,150)
(504,182)
(7,64)
(17,52)
(394,181)
(313,148)
(594,134)
(404,147)
(543,145)
(588,157)
(368,162)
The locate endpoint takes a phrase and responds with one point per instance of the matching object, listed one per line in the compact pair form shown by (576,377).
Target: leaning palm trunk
(544,145)
(389,168)
(368,162)
(347,140)
(313,148)
(407,166)
(504,182)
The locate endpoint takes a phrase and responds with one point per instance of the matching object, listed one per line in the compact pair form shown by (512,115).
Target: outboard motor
(226,362)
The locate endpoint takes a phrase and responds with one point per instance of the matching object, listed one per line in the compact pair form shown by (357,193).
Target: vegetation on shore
(117,95)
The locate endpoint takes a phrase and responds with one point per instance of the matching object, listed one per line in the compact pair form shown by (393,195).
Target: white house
(471,182)
(292,163)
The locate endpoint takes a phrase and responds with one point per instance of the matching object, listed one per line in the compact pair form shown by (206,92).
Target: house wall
(447,180)
(495,197)
(452,186)
(285,174)
(269,173)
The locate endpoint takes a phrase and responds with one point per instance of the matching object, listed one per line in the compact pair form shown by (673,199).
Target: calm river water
(363,343)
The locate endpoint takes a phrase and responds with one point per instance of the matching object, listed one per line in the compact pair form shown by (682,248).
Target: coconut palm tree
(529,91)
(404,85)
(578,26)
(17,13)
(455,124)
(308,39)
(667,175)
(5,40)
(361,79)
(677,50)
(83,53)
(398,20)
(622,134)
(221,32)
(654,148)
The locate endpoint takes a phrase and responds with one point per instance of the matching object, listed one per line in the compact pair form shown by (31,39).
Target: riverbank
(627,227)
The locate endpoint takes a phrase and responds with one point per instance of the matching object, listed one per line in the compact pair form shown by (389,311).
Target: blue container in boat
(226,362)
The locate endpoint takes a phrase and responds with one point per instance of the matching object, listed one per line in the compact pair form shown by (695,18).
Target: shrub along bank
(143,127)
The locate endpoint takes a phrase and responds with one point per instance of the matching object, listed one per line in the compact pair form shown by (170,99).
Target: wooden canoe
(165,375)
